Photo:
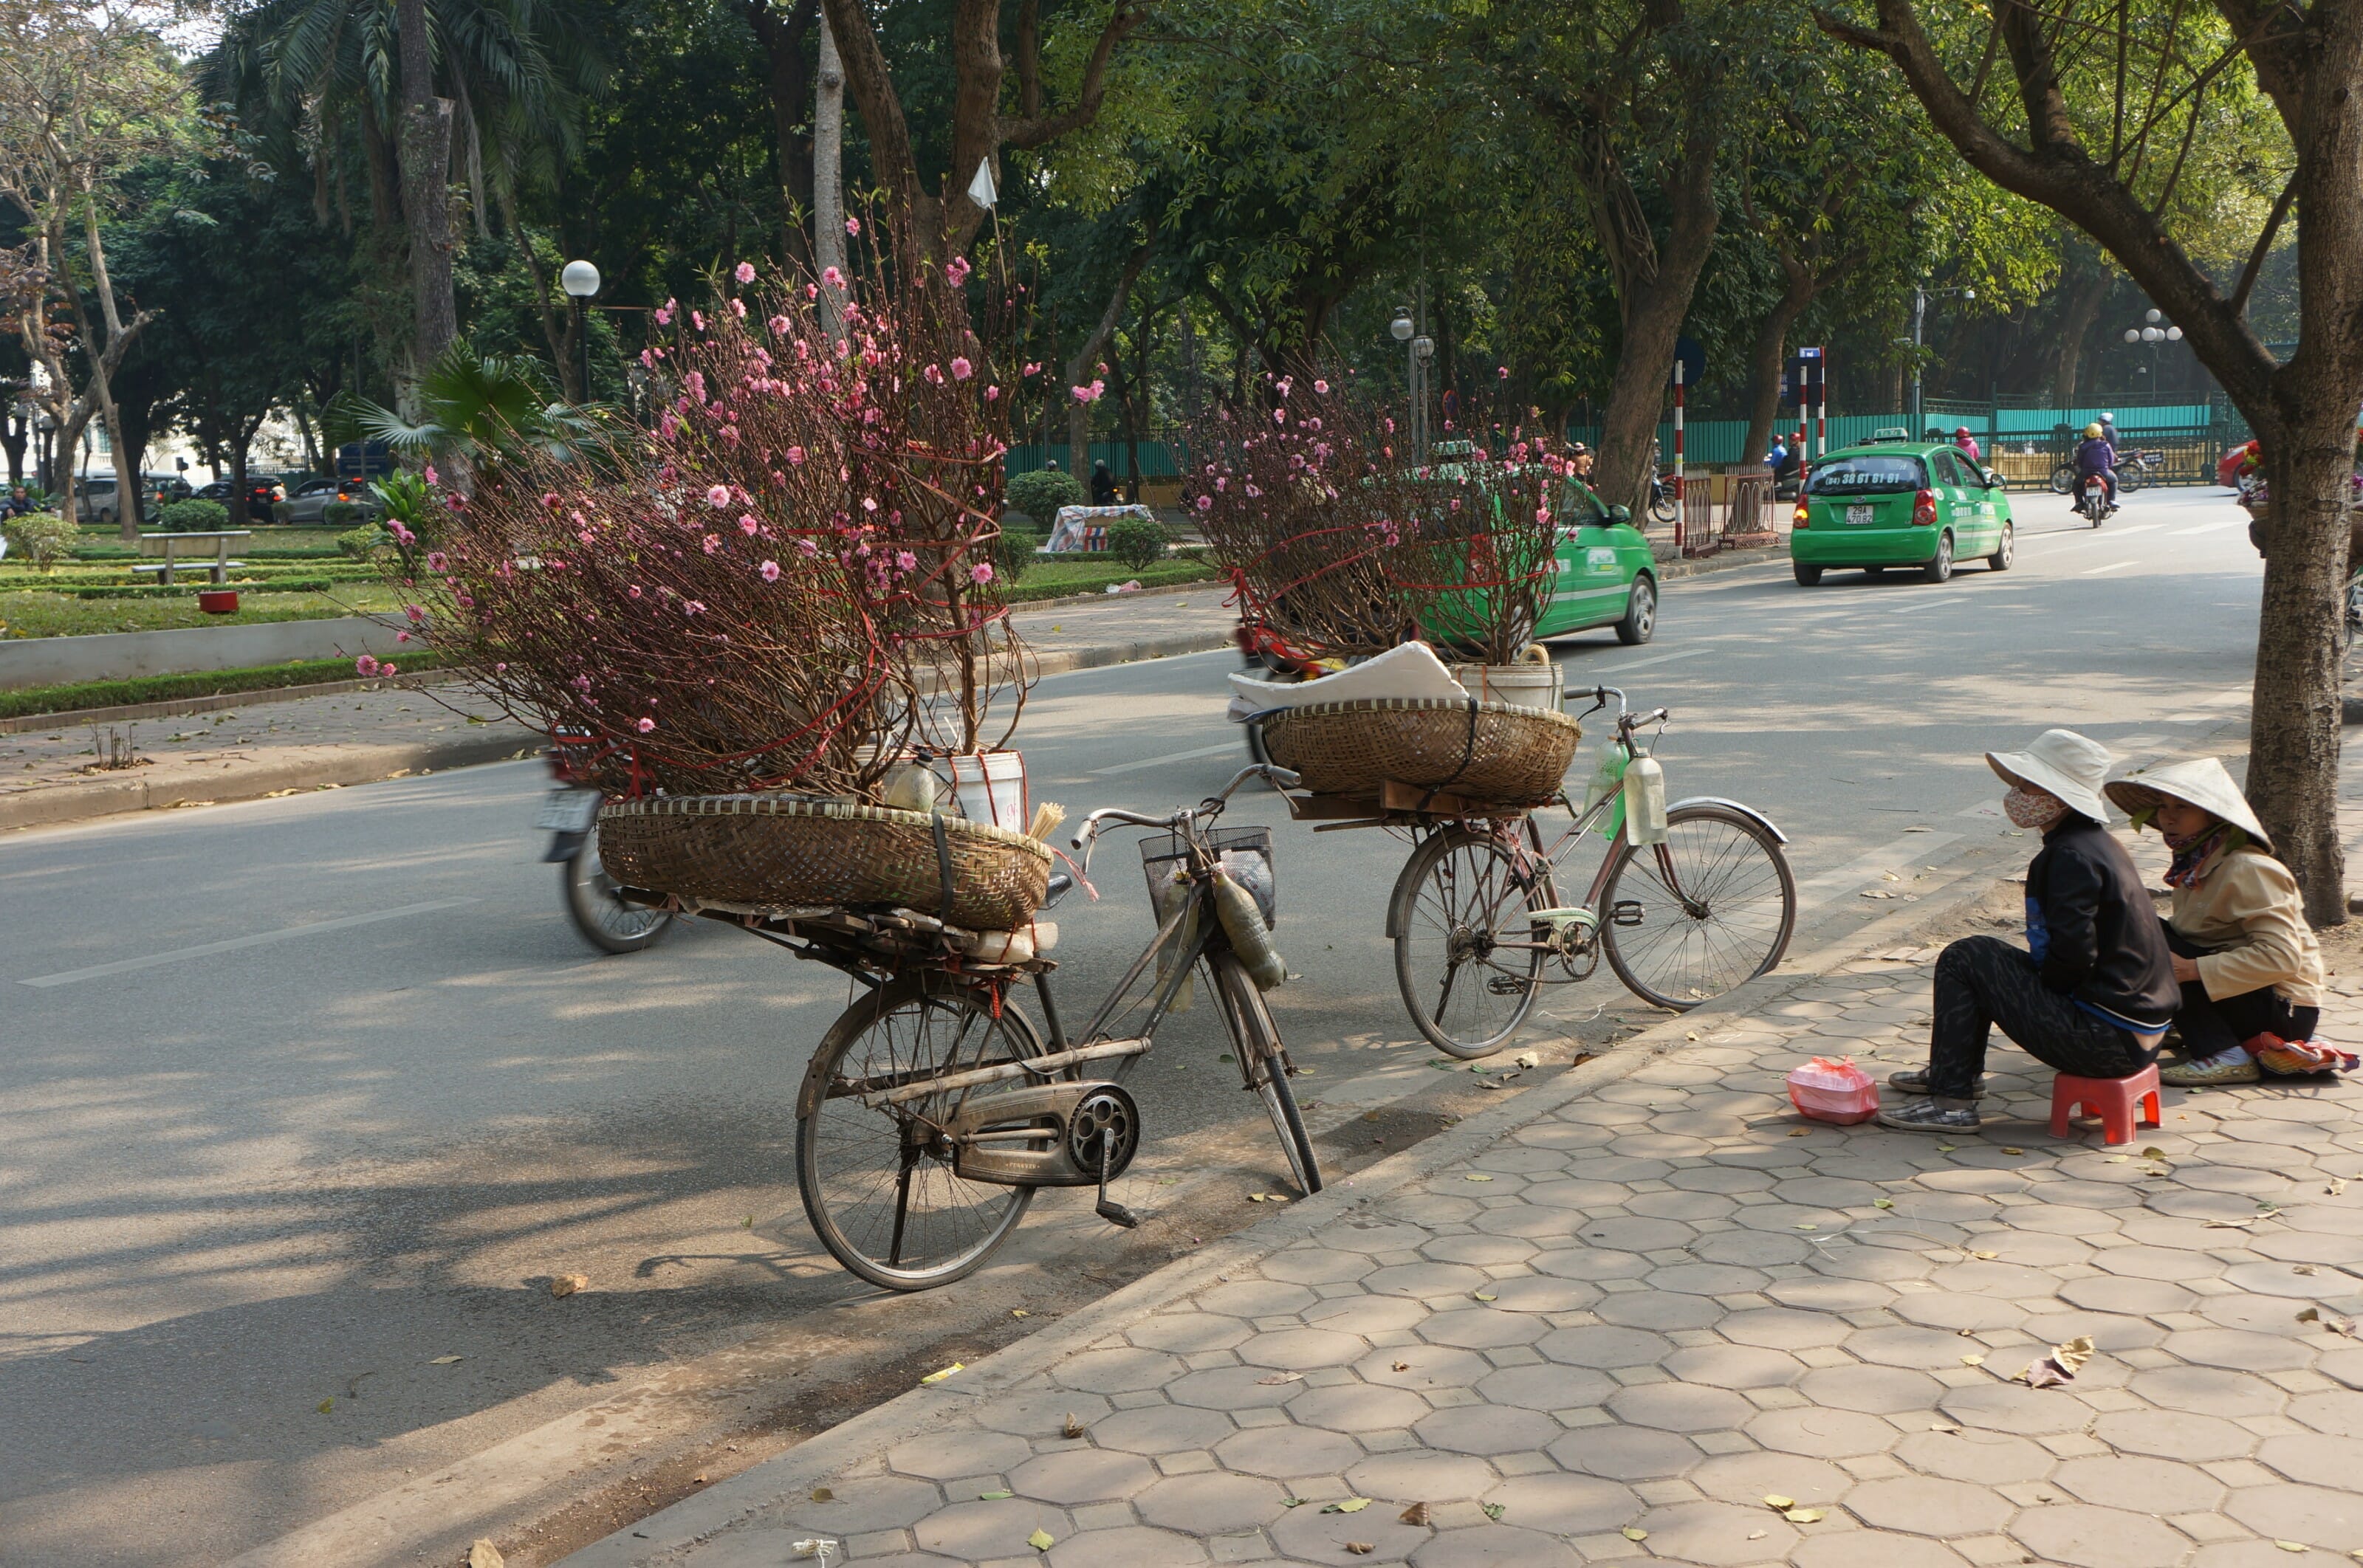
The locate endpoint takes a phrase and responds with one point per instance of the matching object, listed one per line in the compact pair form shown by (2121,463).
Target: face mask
(2032,808)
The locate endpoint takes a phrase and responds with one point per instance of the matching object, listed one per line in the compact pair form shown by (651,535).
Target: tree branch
(2238,304)
(1029,59)
(1035,128)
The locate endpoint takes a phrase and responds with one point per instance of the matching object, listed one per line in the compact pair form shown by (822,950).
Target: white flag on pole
(982,190)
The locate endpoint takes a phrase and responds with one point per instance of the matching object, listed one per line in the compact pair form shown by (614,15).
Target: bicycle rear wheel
(878,1184)
(1460,897)
(1711,908)
(1262,1059)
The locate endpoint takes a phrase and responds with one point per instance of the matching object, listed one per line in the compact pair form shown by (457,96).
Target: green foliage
(1137,541)
(478,408)
(193,517)
(344,515)
(361,544)
(43,538)
(1013,553)
(1039,494)
(84,696)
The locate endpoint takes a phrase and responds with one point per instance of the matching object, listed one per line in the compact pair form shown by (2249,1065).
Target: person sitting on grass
(2091,992)
(2249,965)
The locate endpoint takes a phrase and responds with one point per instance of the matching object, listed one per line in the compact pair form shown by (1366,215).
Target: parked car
(1603,575)
(309,504)
(261,492)
(95,500)
(1897,503)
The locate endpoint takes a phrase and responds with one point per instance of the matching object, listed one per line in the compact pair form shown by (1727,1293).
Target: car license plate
(1859,514)
(569,811)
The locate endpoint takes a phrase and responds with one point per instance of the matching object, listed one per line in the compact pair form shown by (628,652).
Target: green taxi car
(1899,503)
(1604,574)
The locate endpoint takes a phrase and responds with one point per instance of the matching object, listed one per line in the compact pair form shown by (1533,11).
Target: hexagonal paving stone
(2314,1460)
(1479,1251)
(1706,1279)
(1125,1371)
(1427,1281)
(1082,1475)
(1365,1314)
(971,1531)
(1546,1387)
(1308,1535)
(1877,1390)
(1284,1452)
(2338,1411)
(2238,1349)
(1160,1429)
(2315,1515)
(1308,1265)
(2016,1408)
(1302,1349)
(1782,1328)
(1822,1434)
(1185,1331)
(1039,1413)
(1485,1430)
(1606,1347)
(1715,1534)
(1422,1367)
(1588,1263)
(1211,1503)
(2174,1434)
(1564,1505)
(1627,1454)
(2116,1293)
(1681,1408)
(1638,1235)
(1483,1327)
(1494,1546)
(2085,1537)
(1413,1476)
(1132,1546)
(1734,1366)
(2206,1391)
(1991,1459)
(869,1502)
(1746,1478)
(1230,1389)
(1822,1293)
(2156,1262)
(2144,1485)
(1872,1549)
(1357,1407)
(948,1456)
(1659,1309)
(1261,1297)
(1926,1505)
(1542,1293)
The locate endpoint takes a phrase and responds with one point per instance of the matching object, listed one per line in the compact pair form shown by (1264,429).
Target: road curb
(660,1539)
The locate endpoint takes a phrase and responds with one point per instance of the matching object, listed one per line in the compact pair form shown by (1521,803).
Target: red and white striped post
(1680,518)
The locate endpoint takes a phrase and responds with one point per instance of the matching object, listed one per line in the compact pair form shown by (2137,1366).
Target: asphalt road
(302,1095)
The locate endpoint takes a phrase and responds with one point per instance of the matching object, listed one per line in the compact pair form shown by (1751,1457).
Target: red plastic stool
(2114,1100)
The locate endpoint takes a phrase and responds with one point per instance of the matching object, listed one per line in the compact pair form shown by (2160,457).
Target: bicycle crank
(1046,1136)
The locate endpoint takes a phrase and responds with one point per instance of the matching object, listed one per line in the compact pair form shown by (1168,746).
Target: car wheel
(2005,551)
(1807,576)
(1640,622)
(1940,567)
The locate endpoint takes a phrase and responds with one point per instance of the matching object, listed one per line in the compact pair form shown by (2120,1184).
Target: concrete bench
(168,546)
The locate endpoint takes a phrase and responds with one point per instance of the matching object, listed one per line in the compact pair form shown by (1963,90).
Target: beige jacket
(2246,908)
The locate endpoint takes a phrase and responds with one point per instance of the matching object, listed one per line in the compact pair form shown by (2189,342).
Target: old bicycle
(1479,927)
(935,1107)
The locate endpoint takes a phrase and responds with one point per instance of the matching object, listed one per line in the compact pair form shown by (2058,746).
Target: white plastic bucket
(1522,685)
(990,787)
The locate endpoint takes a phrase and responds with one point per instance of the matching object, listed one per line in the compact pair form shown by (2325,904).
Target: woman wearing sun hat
(2091,992)
(2248,962)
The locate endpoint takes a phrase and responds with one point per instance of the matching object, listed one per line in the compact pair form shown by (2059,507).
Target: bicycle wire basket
(1238,848)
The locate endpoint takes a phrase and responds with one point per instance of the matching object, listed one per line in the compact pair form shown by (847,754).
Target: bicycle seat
(1057,889)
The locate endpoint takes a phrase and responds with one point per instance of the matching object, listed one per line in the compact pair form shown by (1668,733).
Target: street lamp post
(581,281)
(1417,350)
(2152,332)
(1920,298)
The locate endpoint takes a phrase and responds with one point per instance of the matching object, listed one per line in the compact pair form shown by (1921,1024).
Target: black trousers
(1983,981)
(2212,1025)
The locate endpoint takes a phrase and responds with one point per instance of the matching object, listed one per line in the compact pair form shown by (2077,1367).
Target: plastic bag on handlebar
(1607,781)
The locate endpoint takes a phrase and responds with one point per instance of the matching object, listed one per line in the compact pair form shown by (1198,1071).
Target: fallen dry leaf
(942,1372)
(2311,1315)
(485,1554)
(2061,1366)
(1403,1366)
(2337,1185)
(2008,1151)
(1774,1500)
(1882,1203)
(2153,1153)
(1973,1360)
(1799,1132)
(1495,1510)
(1349,1505)
(1758,1534)
(1019,1312)
(446,1360)
(1484,1295)
(2292,1546)
(1527,1059)
(1279,1378)
(993,1496)
(1806,1516)
(1074,1429)
(2117,1159)
(1359,1548)
(1040,1540)
(823,1495)
(2302,1268)
(1943,1427)
(1475,1177)
(1415,1515)
(566,1284)
(1808,1225)
(1985,1257)
(2232,1224)
(1631,1533)
(325,1406)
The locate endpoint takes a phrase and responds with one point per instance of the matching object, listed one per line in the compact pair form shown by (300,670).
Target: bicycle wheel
(1459,897)
(1714,906)
(606,921)
(878,1184)
(1256,1041)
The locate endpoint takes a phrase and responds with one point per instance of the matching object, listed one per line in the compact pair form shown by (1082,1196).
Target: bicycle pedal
(1115,1213)
(1628,912)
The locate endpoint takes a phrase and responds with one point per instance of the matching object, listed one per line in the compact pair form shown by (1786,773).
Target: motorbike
(1661,496)
(2092,499)
(2135,469)
(570,814)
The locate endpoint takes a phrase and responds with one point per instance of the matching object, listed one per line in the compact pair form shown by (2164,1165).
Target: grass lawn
(1047,578)
(38,615)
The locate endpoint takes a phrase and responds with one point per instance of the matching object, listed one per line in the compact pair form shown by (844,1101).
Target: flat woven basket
(786,851)
(1479,751)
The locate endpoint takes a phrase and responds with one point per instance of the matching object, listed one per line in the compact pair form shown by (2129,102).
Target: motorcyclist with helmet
(2095,455)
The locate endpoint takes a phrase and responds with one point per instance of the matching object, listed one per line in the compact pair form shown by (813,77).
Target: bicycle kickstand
(1108,1209)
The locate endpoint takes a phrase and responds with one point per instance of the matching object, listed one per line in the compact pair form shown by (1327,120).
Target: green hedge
(85,695)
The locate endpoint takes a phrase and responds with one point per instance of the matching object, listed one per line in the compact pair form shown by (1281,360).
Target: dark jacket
(2096,457)
(2093,928)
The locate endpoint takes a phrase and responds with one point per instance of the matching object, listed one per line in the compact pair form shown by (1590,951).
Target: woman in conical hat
(2249,963)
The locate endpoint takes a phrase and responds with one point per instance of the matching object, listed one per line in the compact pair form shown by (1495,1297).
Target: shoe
(1927,1116)
(2232,1067)
(2299,1058)
(1916,1082)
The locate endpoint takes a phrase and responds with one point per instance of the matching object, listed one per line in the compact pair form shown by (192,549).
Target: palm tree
(476,411)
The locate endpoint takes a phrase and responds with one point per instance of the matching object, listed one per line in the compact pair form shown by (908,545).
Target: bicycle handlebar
(1211,806)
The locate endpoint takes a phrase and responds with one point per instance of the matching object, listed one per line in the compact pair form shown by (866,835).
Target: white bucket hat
(2204,784)
(2068,765)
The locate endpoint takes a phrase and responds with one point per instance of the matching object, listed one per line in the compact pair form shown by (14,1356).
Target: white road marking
(1172,756)
(125,966)
(1916,849)
(1660,659)
(2210,527)
(2112,565)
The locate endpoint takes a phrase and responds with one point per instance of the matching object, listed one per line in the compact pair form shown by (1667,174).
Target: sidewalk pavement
(258,746)
(1644,1313)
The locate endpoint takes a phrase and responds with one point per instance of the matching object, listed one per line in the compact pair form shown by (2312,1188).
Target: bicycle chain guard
(1046,1136)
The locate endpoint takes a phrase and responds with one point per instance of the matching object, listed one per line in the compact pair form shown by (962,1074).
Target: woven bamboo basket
(784,851)
(1479,751)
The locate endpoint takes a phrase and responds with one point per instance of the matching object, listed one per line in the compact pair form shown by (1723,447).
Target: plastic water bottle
(1645,801)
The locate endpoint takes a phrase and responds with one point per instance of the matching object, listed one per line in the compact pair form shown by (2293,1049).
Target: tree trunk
(16,426)
(788,79)
(426,202)
(1771,343)
(1079,368)
(829,168)
(2295,708)
(2079,306)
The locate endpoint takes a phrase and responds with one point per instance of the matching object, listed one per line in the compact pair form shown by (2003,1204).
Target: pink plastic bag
(1838,1092)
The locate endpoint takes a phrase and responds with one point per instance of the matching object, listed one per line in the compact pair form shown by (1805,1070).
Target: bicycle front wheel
(1468,953)
(1714,906)
(877,1183)
(1257,1040)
